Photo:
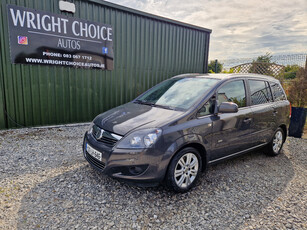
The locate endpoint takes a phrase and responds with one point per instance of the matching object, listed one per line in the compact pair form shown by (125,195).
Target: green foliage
(290,71)
(229,71)
(239,102)
(267,58)
(298,88)
(211,67)
(233,70)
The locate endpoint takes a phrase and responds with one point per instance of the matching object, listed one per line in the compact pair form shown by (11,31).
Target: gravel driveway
(45,183)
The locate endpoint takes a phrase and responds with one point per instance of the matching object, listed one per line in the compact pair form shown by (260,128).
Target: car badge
(99,133)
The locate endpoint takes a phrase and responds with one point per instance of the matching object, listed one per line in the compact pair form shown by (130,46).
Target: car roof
(225,76)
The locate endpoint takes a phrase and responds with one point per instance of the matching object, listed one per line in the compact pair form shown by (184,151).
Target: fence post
(215,66)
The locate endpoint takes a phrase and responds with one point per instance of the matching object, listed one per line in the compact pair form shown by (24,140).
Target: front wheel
(184,170)
(274,147)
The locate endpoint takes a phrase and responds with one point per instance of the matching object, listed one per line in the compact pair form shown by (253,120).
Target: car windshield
(177,93)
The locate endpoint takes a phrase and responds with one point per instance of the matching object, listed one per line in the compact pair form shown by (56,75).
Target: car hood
(130,116)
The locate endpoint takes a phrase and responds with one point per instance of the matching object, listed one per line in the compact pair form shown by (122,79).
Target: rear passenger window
(233,91)
(278,93)
(260,92)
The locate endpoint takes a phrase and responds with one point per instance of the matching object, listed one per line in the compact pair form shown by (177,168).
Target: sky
(240,28)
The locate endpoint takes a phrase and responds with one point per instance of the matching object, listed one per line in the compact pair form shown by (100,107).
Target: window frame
(175,77)
(203,104)
(247,92)
(282,89)
(250,92)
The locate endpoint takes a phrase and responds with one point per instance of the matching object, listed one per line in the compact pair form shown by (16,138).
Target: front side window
(233,92)
(180,93)
(260,92)
(277,92)
(207,109)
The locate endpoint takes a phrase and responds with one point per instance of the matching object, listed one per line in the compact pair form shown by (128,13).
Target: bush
(211,67)
(290,71)
(298,88)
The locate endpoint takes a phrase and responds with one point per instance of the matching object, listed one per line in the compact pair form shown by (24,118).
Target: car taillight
(290,110)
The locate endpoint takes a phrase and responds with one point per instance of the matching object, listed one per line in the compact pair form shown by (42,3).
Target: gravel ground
(45,183)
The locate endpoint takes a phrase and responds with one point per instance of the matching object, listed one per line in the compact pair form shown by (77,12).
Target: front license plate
(93,152)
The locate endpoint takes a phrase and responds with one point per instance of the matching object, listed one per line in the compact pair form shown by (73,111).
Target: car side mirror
(228,107)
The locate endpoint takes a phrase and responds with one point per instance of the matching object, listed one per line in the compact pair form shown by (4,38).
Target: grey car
(176,129)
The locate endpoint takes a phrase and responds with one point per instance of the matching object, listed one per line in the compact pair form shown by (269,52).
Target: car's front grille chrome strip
(108,138)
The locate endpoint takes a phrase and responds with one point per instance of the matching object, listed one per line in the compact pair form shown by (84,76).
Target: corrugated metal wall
(148,49)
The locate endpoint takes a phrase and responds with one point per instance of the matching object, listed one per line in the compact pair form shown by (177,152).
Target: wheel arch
(199,147)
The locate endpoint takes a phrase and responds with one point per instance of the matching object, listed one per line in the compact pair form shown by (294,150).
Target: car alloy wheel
(277,141)
(274,147)
(186,170)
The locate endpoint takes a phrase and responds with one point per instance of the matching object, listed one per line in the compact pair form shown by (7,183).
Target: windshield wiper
(165,107)
(145,102)
(155,105)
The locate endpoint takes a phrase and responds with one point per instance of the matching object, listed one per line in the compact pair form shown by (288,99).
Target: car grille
(107,138)
(108,141)
(98,164)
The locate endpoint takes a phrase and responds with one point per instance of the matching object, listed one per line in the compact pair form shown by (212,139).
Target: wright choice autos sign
(38,37)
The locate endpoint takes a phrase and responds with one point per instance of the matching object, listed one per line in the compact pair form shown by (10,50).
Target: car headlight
(140,139)
(90,130)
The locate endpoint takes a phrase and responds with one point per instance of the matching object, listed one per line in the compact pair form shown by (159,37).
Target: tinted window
(277,92)
(260,92)
(179,93)
(233,92)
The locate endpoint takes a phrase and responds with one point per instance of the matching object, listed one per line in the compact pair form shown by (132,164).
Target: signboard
(38,37)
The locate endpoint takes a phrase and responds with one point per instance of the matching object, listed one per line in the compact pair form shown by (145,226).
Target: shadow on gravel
(225,197)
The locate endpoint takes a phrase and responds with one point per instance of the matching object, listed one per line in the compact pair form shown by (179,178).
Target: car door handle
(247,120)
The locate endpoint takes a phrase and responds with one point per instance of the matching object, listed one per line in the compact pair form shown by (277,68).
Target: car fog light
(136,170)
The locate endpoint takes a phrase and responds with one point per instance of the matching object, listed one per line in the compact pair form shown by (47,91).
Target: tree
(267,58)
(215,67)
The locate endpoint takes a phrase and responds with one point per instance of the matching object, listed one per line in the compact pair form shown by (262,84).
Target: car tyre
(184,170)
(275,146)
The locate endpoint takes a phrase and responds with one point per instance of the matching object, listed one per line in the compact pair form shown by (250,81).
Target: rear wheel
(184,170)
(275,146)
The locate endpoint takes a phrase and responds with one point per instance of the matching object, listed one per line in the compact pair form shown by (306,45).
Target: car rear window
(277,91)
(260,92)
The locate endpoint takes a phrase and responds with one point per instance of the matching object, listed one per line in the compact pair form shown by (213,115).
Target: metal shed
(147,49)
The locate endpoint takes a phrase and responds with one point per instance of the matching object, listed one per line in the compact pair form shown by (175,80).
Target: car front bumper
(137,166)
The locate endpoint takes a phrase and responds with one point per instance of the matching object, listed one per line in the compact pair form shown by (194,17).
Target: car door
(281,105)
(231,131)
(262,106)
